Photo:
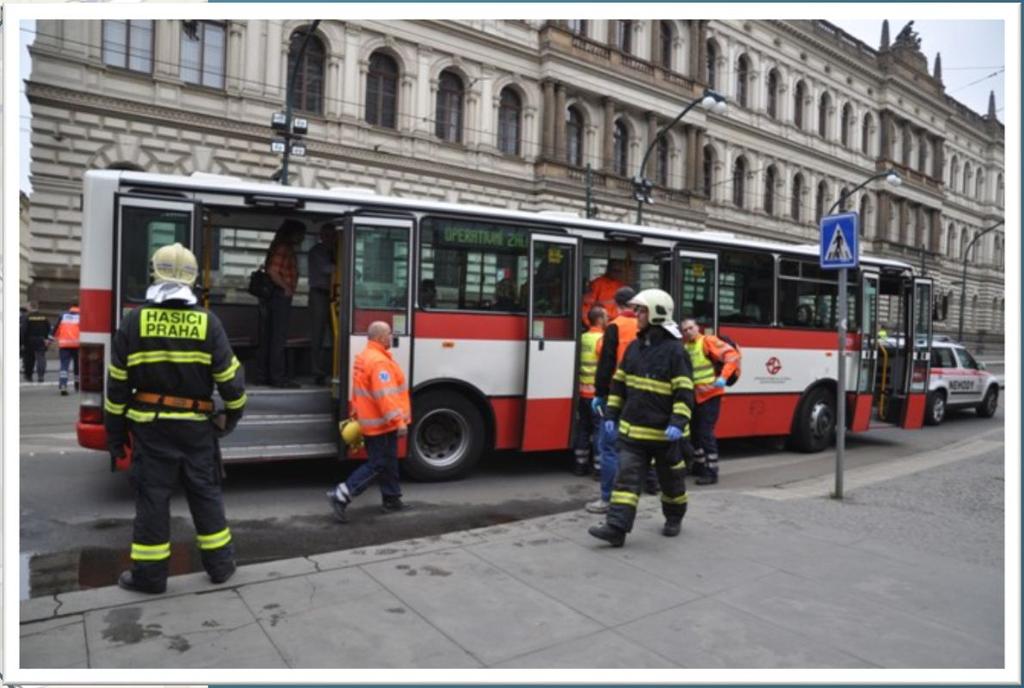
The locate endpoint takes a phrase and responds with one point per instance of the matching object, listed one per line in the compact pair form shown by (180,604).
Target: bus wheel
(815,422)
(987,407)
(935,408)
(447,437)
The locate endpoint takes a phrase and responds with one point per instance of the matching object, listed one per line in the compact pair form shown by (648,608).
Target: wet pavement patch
(123,626)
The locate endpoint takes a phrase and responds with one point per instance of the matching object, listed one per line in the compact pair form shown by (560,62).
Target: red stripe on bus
(508,422)
(861,412)
(94,305)
(914,417)
(787,338)
(751,415)
(546,425)
(470,326)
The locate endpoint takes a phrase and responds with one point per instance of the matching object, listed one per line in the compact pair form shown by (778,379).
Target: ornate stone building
(512,113)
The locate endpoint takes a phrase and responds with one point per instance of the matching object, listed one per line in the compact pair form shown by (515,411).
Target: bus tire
(815,422)
(987,407)
(446,438)
(935,408)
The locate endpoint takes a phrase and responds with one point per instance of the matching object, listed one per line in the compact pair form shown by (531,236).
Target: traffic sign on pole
(839,248)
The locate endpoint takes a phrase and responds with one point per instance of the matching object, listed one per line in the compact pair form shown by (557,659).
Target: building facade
(522,114)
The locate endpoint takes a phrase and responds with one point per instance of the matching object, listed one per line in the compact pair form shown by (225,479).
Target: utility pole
(291,131)
(963,279)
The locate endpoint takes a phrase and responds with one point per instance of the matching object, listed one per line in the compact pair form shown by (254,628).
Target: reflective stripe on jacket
(66,331)
(588,361)
(380,396)
(705,351)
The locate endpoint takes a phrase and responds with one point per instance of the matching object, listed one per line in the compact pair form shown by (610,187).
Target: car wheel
(935,408)
(446,438)
(988,405)
(815,421)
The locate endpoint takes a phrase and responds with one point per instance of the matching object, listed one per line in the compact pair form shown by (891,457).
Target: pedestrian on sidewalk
(165,359)
(587,419)
(618,335)
(714,361)
(66,334)
(36,335)
(380,398)
(651,397)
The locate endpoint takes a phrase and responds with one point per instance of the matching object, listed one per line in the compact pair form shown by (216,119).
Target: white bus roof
(232,185)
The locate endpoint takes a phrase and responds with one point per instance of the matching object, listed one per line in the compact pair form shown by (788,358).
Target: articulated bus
(484,304)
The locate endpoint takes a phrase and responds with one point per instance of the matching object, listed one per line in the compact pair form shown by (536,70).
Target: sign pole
(841,388)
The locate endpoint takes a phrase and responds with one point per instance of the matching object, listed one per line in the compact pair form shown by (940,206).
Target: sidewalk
(790,581)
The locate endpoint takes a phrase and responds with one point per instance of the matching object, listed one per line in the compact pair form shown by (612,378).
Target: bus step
(302,400)
(280,452)
(264,429)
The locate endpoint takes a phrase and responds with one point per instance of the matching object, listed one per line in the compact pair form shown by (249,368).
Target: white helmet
(659,307)
(175,263)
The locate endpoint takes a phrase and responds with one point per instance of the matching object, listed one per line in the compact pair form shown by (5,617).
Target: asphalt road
(76,516)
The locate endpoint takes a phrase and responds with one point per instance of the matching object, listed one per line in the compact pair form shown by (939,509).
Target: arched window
(966,179)
(847,125)
(773,94)
(963,243)
(577,26)
(865,135)
(510,112)
(797,199)
(709,171)
(954,173)
(712,63)
(622,34)
(908,145)
(865,210)
(620,149)
(739,177)
(449,107)
(820,199)
(661,171)
(824,103)
(844,197)
(951,241)
(574,137)
(769,190)
(922,154)
(308,89)
(999,190)
(799,96)
(382,91)
(979,192)
(665,44)
(742,79)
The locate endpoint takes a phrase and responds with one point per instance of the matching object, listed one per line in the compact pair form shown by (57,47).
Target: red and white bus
(484,304)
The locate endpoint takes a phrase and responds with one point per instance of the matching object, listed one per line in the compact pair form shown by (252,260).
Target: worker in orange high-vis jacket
(66,334)
(706,351)
(601,291)
(380,398)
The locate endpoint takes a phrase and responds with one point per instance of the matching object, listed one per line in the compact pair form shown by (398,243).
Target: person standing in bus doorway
(602,290)
(651,397)
(321,273)
(164,361)
(380,397)
(587,419)
(618,335)
(66,334)
(37,339)
(283,270)
(707,352)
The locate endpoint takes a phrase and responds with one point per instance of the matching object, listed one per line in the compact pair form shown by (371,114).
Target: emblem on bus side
(773,365)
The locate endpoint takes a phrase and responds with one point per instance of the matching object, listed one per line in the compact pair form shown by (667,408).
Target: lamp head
(893,179)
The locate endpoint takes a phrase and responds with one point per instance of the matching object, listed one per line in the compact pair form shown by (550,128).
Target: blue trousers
(382,466)
(609,462)
(704,418)
(68,359)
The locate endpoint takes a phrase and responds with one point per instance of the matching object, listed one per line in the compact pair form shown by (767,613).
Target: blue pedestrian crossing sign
(839,248)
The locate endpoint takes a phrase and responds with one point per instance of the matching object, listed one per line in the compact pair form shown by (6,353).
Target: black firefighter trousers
(670,464)
(164,453)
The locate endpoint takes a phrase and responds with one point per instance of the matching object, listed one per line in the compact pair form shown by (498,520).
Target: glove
(673,433)
(597,404)
(719,383)
(611,429)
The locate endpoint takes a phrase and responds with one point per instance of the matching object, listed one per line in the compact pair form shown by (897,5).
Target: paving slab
(344,619)
(603,650)
(38,608)
(391,550)
(873,631)
(195,631)
(710,634)
(54,644)
(482,608)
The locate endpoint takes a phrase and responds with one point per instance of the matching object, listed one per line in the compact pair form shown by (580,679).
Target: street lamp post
(642,186)
(894,180)
(963,279)
(288,104)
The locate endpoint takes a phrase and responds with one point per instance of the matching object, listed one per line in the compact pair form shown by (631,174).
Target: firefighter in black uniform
(651,397)
(35,333)
(165,359)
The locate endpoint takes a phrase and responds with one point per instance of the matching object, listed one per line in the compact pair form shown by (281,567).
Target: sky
(972,62)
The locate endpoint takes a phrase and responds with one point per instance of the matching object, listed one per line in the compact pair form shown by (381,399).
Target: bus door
(860,402)
(695,288)
(919,343)
(374,284)
(142,225)
(552,339)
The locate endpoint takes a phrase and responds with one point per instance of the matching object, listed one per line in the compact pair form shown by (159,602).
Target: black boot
(708,478)
(672,527)
(127,581)
(391,505)
(582,463)
(610,534)
(222,573)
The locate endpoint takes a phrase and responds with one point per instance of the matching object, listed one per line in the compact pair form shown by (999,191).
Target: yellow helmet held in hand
(350,433)
(175,263)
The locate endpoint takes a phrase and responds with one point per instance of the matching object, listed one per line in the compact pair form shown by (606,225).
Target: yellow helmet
(350,433)
(175,263)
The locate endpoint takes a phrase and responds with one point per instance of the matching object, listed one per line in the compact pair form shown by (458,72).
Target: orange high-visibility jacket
(380,396)
(602,293)
(704,352)
(66,331)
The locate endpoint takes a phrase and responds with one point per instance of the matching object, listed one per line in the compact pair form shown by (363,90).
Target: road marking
(880,472)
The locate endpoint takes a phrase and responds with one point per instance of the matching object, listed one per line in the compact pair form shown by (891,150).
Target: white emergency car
(958,381)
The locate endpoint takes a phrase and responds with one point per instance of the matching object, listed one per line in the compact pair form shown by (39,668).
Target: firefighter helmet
(659,307)
(350,433)
(175,263)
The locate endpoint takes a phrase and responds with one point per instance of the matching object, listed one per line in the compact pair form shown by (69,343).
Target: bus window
(807,295)
(745,290)
(143,231)
(642,267)
(474,265)
(381,272)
